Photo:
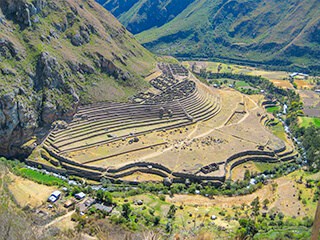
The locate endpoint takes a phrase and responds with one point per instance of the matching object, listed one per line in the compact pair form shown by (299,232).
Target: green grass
(307,121)
(177,37)
(296,232)
(278,130)
(273,109)
(265,166)
(242,84)
(41,177)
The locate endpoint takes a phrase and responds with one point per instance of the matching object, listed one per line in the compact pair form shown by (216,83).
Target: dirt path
(256,105)
(59,219)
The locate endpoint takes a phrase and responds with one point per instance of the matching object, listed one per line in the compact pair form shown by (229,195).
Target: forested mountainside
(57,54)
(251,31)
(141,15)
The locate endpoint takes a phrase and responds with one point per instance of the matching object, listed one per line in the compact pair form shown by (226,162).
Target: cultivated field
(311,103)
(303,84)
(282,83)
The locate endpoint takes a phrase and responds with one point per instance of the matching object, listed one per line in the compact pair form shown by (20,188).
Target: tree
(265,203)
(156,220)
(126,210)
(104,197)
(169,227)
(249,226)
(255,206)
(247,175)
(172,212)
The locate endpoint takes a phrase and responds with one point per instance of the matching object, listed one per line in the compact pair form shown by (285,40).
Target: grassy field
(41,177)
(294,233)
(273,109)
(307,121)
(266,166)
(278,130)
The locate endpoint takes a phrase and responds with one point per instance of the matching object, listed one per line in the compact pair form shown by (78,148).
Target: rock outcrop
(53,54)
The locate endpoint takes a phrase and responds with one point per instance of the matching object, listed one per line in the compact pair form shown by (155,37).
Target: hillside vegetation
(55,55)
(249,31)
(141,15)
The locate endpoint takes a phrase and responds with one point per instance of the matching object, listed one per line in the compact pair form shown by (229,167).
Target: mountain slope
(141,15)
(57,54)
(263,31)
(279,32)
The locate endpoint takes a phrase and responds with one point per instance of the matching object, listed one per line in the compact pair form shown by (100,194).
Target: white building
(54,196)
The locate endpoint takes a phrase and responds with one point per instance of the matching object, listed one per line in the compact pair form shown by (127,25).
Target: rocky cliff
(55,55)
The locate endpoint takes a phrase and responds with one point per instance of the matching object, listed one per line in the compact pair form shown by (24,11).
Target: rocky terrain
(278,33)
(56,55)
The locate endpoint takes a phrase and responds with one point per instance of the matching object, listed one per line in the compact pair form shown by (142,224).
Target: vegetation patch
(278,130)
(273,109)
(307,121)
(41,178)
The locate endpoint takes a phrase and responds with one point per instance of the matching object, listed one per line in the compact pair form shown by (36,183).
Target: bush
(162,197)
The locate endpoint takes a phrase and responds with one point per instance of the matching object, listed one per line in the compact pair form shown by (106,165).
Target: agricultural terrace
(179,129)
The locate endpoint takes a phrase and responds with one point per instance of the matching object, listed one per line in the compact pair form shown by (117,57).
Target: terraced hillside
(178,129)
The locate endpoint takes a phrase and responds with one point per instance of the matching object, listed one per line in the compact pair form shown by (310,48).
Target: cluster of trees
(308,136)
(257,221)
(254,81)
(104,197)
(310,139)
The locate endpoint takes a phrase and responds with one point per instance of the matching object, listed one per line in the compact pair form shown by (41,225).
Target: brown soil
(282,83)
(27,192)
(303,84)
(142,177)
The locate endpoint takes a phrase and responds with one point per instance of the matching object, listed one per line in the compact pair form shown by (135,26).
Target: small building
(103,208)
(89,202)
(69,203)
(292,75)
(54,196)
(213,217)
(80,195)
(298,75)
(138,202)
